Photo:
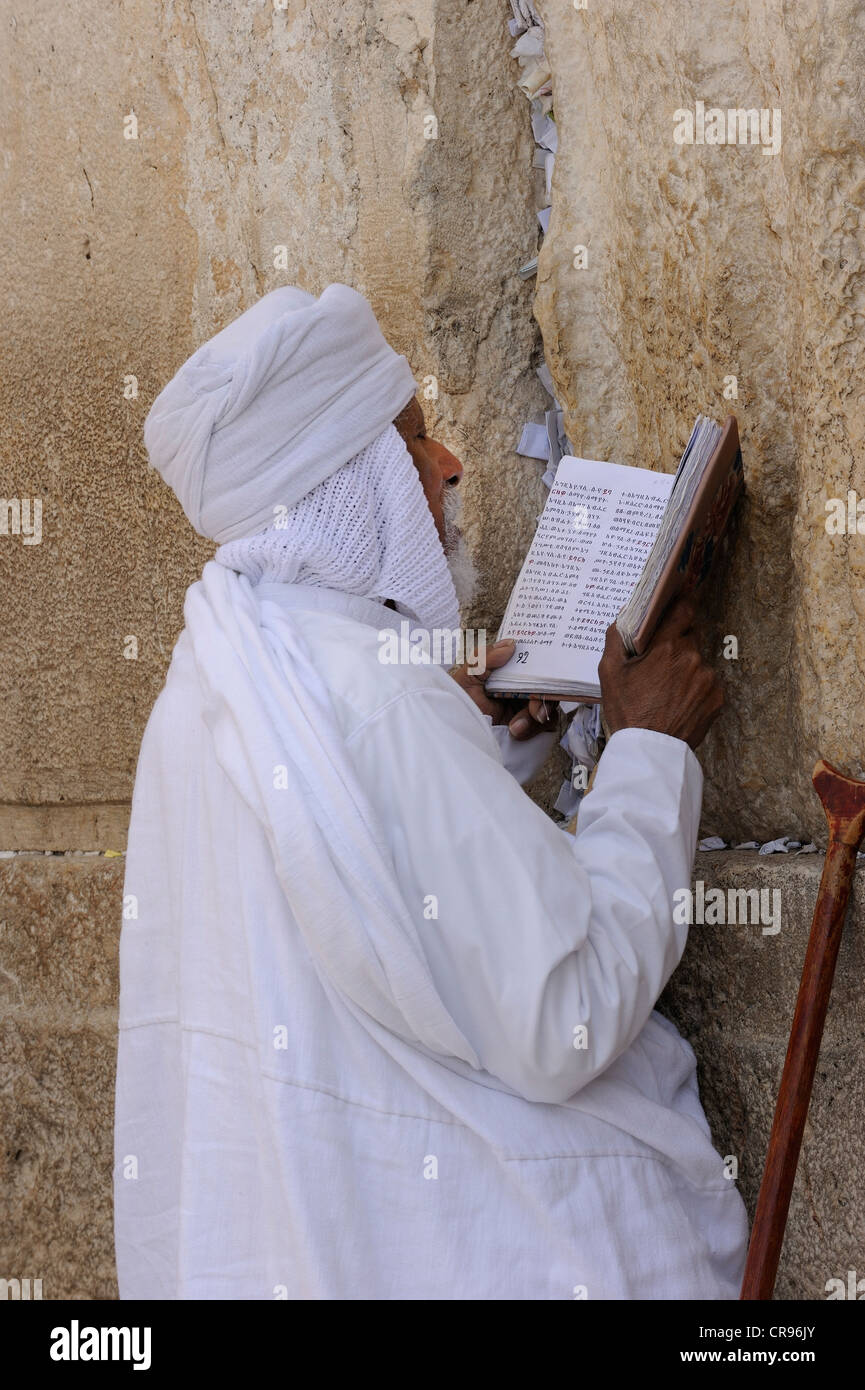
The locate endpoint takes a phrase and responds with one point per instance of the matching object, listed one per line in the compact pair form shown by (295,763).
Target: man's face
(439,470)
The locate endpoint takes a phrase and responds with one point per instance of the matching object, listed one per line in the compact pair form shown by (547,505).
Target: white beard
(457,553)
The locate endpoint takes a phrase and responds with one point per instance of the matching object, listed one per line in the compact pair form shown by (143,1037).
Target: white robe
(276,1140)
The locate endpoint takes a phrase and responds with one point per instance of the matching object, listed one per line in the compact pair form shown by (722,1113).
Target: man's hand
(523,720)
(669,688)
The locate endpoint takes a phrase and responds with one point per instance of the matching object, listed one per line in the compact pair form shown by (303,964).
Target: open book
(614,540)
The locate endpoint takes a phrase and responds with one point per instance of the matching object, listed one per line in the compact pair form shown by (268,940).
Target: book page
(591,543)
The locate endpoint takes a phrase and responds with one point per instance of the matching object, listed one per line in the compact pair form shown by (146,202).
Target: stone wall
(295,136)
(709,261)
(58,1024)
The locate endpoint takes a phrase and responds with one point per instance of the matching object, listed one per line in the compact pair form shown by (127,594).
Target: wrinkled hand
(670,688)
(523,720)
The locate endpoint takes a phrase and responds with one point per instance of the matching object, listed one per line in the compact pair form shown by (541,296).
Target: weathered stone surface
(59,925)
(258,128)
(93,825)
(708,261)
(58,1104)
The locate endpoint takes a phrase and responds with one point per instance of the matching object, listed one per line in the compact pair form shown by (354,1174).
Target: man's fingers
(522,726)
(677,622)
(535,718)
(613,644)
(678,619)
(541,709)
(501,652)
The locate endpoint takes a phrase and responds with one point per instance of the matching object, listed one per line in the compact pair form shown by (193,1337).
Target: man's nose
(451,468)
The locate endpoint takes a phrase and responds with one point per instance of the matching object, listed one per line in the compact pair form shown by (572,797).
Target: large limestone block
(59,922)
(373,143)
(709,261)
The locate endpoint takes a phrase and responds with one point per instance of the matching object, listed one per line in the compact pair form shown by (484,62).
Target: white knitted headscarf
(366,530)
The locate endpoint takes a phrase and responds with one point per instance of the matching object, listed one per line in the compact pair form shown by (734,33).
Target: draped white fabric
(354,962)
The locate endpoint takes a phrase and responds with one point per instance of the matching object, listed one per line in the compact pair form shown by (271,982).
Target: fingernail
(520,724)
(503,642)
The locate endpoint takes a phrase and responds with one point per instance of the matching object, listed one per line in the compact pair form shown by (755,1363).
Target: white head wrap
(273,405)
(366,530)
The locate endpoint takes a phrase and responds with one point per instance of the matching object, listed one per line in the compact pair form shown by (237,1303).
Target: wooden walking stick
(843,801)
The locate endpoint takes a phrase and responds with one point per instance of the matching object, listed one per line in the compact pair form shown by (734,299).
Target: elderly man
(386,1032)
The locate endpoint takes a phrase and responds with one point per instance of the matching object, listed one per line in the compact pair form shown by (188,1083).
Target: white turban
(273,405)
